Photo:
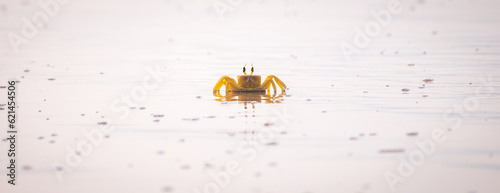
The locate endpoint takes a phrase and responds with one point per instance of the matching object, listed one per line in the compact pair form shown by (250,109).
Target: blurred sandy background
(341,127)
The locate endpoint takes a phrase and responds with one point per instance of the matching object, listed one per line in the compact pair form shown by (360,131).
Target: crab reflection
(259,97)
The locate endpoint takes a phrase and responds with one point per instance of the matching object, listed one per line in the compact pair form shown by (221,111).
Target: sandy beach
(382,96)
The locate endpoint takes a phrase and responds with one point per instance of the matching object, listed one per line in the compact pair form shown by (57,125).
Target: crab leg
(280,83)
(270,78)
(266,85)
(222,81)
(226,81)
(231,86)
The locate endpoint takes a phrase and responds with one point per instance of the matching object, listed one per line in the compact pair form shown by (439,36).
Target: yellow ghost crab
(249,83)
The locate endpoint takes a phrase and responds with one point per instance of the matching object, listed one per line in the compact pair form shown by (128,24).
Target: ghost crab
(249,83)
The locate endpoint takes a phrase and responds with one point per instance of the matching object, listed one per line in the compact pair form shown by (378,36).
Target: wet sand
(140,77)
